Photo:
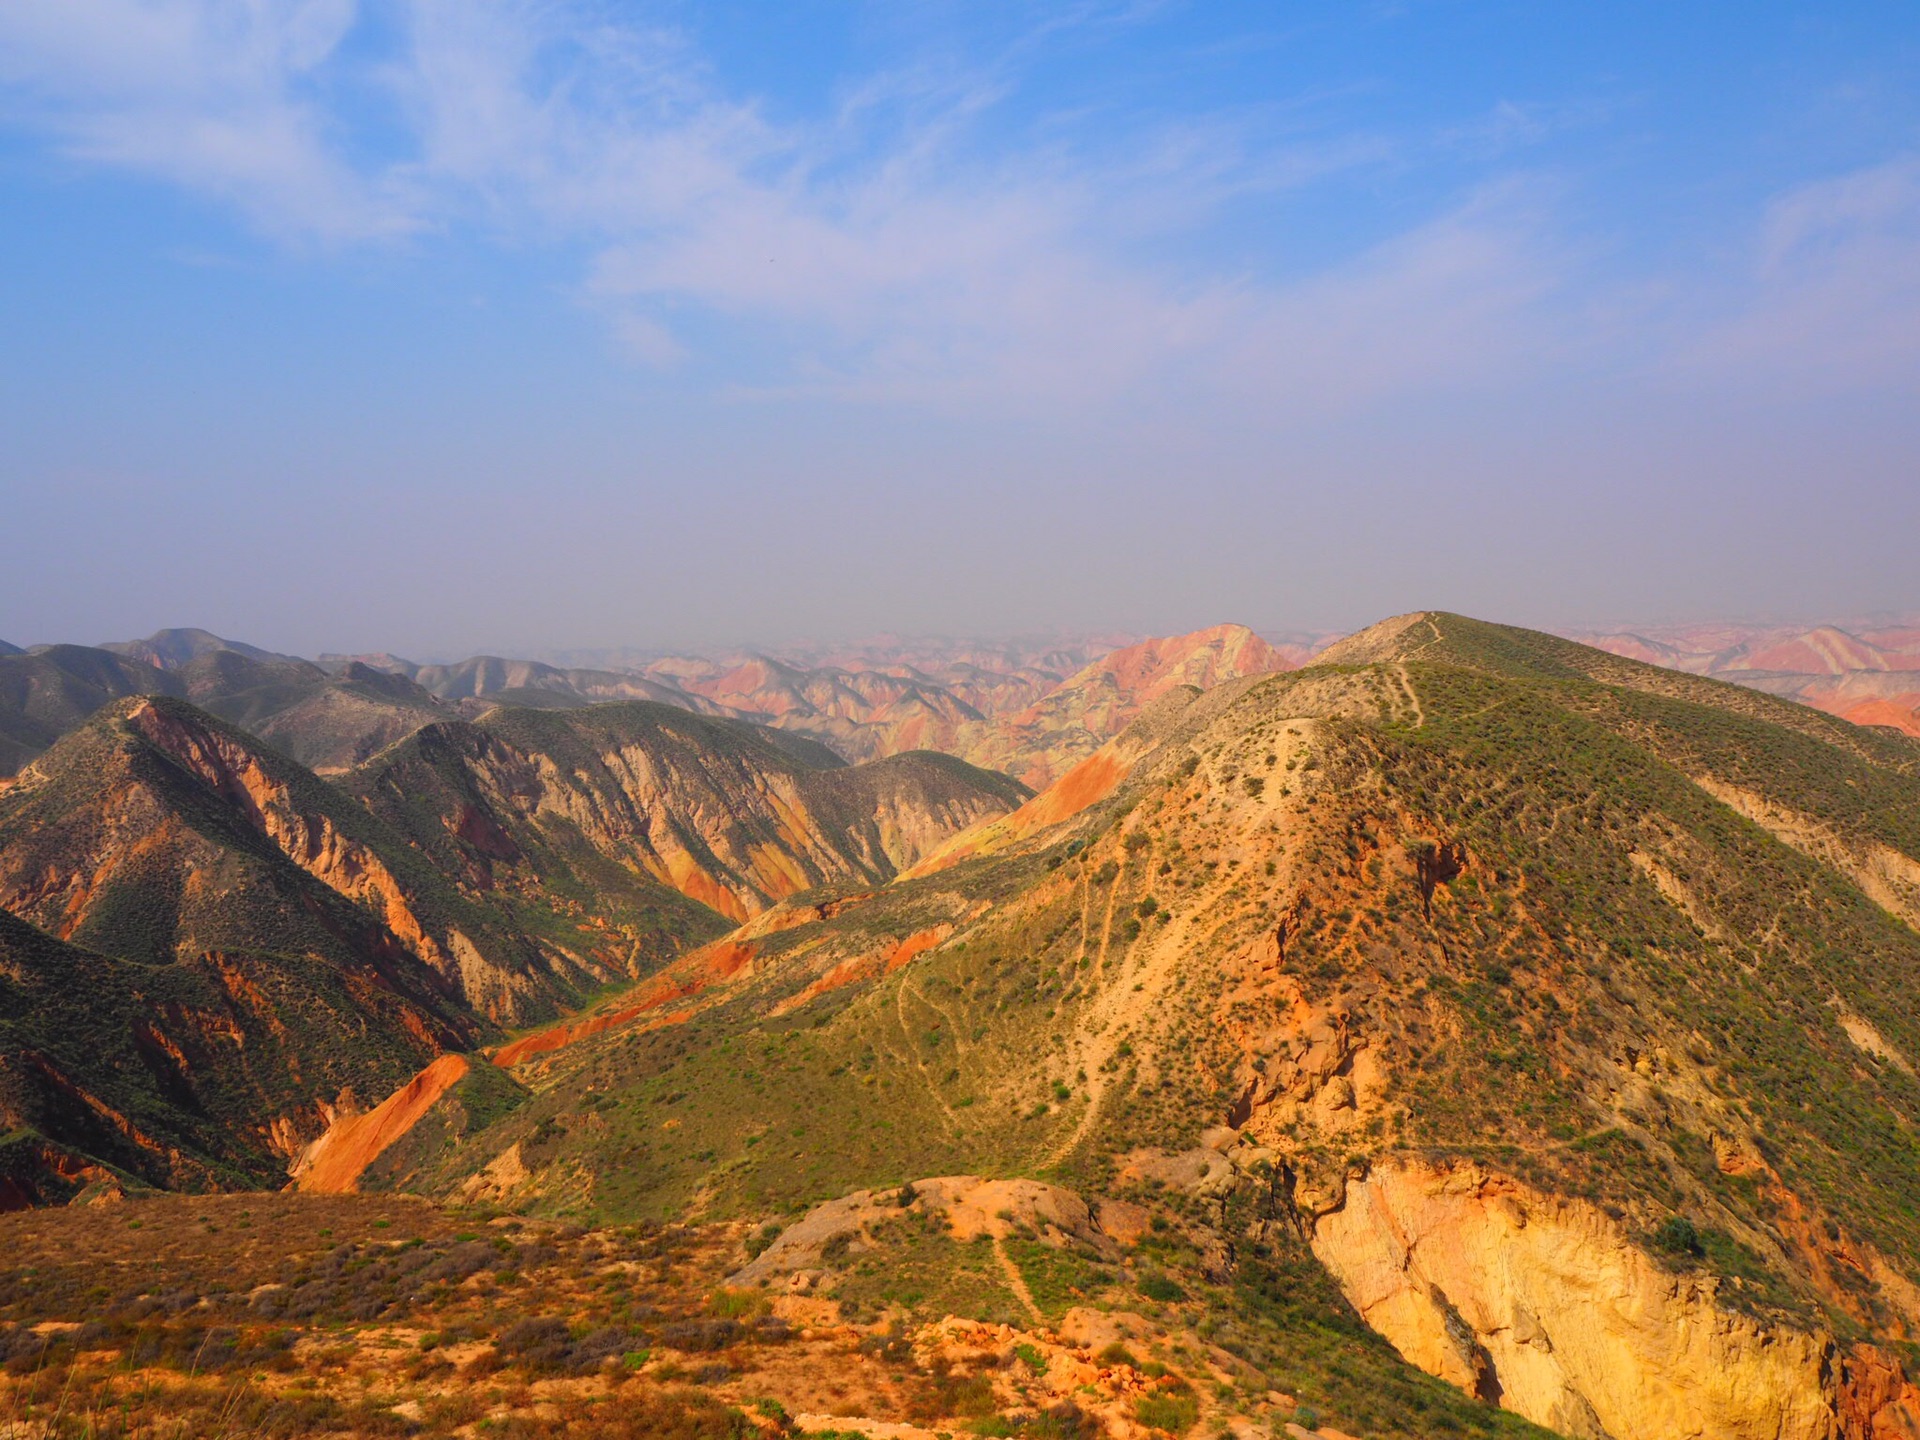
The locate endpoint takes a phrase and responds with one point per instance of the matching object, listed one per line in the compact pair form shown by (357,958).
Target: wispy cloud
(886,249)
(229,100)
(1831,298)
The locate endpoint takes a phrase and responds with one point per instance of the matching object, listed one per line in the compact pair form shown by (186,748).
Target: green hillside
(1640,942)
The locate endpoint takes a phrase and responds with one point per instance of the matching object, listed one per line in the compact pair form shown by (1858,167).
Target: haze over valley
(1050,719)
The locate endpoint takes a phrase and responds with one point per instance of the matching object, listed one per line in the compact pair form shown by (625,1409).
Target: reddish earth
(67,1172)
(1821,651)
(1902,712)
(1148,670)
(1087,783)
(883,961)
(682,980)
(1857,675)
(336,1161)
(1904,639)
(916,944)
(1877,1401)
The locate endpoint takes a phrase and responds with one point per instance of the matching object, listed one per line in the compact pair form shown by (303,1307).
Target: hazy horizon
(441,329)
(819,649)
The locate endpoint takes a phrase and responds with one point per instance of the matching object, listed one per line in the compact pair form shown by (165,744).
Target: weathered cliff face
(163,823)
(309,837)
(1545,1306)
(718,810)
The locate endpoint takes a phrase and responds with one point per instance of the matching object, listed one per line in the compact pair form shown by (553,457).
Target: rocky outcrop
(967,1205)
(1546,1307)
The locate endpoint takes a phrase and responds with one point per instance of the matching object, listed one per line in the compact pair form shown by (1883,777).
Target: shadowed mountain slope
(209,1072)
(1561,1006)
(177,648)
(492,679)
(192,882)
(326,722)
(46,693)
(157,831)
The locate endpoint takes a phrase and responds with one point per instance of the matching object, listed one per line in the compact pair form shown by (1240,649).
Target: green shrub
(1678,1235)
(1172,1413)
(1159,1287)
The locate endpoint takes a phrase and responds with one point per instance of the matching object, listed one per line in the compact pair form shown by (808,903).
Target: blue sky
(441,325)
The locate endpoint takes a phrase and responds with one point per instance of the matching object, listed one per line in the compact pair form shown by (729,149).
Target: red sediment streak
(867,966)
(682,980)
(341,1156)
(1086,784)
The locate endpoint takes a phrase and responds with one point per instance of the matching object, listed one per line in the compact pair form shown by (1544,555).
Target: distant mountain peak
(172,648)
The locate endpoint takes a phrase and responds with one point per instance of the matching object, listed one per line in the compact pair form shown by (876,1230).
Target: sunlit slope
(1461,912)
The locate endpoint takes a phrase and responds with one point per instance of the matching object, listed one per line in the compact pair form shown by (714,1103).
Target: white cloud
(1463,300)
(878,253)
(1832,297)
(647,340)
(223,98)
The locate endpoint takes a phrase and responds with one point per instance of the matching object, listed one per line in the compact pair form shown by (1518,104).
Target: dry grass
(220,1317)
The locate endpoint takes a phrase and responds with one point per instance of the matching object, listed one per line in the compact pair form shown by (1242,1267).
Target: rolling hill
(1544,1014)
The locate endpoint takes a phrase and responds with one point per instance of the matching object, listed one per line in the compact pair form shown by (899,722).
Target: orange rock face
(1901,712)
(334,1163)
(883,961)
(684,979)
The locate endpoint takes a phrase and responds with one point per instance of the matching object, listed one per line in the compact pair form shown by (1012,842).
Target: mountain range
(1867,673)
(476,875)
(1466,1031)
(1029,710)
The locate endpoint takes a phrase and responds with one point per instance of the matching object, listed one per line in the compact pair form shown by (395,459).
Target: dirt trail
(906,1035)
(1113,1009)
(1106,926)
(1413,696)
(1113,1006)
(1086,912)
(1017,1281)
